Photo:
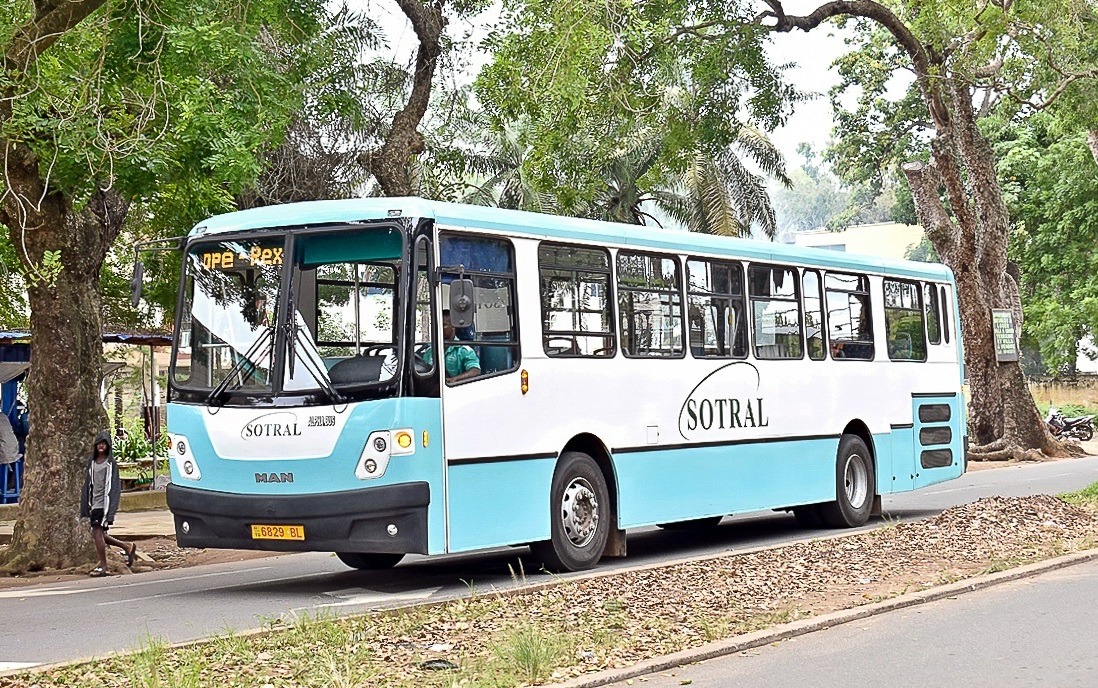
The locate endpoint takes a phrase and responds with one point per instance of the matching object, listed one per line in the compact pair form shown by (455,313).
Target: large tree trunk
(393,163)
(972,241)
(971,236)
(66,362)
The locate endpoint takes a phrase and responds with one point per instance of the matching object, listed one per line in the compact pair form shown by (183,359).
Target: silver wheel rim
(856,480)
(579,512)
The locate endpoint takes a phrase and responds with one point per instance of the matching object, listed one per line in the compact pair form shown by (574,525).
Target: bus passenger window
(933,321)
(813,315)
(649,305)
(575,301)
(945,316)
(775,312)
(717,326)
(904,321)
(848,321)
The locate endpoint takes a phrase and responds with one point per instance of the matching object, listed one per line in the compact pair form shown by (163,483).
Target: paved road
(87,618)
(1039,631)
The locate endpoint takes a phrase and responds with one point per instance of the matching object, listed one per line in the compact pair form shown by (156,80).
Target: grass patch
(1087,497)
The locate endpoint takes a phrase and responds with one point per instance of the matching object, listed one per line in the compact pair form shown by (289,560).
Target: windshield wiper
(265,338)
(309,364)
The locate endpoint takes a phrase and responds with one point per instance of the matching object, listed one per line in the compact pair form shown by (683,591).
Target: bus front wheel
(579,518)
(855,486)
(368,561)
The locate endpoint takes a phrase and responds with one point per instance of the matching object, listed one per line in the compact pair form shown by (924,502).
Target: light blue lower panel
(675,484)
(499,503)
(901,474)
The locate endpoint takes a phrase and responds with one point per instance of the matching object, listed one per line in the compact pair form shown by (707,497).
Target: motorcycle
(1079,427)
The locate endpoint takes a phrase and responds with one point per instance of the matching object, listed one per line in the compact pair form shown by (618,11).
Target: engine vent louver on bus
(935,456)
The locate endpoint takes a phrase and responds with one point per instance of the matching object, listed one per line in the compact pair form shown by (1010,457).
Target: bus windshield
(340,330)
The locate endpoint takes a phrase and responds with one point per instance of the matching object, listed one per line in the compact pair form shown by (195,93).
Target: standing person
(99,502)
(9,451)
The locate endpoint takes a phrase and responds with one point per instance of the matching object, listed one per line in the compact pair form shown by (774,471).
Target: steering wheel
(419,358)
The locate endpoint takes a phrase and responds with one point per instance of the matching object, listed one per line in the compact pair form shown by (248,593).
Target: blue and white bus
(615,377)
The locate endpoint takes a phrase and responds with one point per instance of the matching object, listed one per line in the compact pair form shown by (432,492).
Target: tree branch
(925,180)
(390,164)
(52,19)
(922,59)
(1092,141)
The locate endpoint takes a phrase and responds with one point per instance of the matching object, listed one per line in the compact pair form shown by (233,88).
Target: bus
(594,378)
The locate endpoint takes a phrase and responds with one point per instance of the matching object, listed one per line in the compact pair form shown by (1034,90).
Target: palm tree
(715,194)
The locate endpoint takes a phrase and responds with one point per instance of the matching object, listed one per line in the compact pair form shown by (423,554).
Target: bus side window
(813,315)
(775,312)
(933,321)
(649,305)
(490,263)
(904,321)
(848,315)
(945,316)
(575,301)
(717,326)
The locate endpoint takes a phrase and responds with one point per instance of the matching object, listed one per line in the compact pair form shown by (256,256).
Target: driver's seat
(356,370)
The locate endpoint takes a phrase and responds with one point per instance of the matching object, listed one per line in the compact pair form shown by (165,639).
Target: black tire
(855,486)
(579,507)
(808,516)
(1086,433)
(693,524)
(369,561)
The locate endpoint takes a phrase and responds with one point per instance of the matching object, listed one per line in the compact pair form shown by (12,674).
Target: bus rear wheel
(855,486)
(579,518)
(369,561)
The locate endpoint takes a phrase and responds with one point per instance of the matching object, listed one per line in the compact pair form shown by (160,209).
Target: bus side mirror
(136,282)
(461,302)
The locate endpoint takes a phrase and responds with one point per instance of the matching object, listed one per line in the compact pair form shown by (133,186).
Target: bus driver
(462,362)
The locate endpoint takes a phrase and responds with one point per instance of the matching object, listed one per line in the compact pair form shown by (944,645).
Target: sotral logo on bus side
(279,424)
(718,402)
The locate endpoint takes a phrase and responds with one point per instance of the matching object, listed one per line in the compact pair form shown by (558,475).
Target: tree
(105,109)
(1028,52)
(1050,184)
(588,79)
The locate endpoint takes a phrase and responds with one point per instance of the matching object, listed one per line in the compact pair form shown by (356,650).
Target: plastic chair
(15,472)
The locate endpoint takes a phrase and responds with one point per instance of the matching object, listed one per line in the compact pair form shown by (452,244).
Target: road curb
(794,629)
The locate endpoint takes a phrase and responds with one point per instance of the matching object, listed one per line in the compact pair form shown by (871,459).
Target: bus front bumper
(385,519)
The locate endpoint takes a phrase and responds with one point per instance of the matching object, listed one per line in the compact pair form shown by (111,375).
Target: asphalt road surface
(65,621)
(1038,631)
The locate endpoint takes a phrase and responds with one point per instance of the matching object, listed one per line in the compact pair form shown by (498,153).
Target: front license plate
(278,532)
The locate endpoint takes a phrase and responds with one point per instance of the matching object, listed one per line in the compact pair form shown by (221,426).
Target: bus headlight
(381,445)
(375,456)
(186,466)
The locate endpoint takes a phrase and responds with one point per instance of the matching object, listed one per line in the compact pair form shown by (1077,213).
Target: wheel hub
(580,512)
(856,480)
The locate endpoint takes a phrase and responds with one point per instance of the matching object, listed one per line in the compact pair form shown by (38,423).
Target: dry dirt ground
(161,553)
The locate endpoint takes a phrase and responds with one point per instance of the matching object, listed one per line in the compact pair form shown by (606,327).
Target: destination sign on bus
(228,259)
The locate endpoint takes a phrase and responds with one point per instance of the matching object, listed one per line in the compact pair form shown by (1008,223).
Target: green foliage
(586,79)
(1050,183)
(171,105)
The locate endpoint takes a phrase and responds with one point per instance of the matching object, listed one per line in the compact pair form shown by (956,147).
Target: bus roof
(555,227)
